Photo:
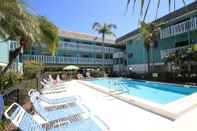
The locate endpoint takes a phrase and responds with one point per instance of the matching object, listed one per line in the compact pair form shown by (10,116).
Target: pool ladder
(119,89)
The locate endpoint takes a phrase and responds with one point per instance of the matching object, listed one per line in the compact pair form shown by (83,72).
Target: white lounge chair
(52,114)
(58,79)
(54,101)
(50,78)
(25,122)
(51,87)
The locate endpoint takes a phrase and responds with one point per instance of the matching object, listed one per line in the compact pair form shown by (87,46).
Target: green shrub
(9,79)
(31,69)
(97,73)
(2,125)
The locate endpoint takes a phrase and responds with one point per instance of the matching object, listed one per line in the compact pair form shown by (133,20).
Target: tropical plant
(19,24)
(182,58)
(97,73)
(150,35)
(9,79)
(145,5)
(104,29)
(2,125)
(32,69)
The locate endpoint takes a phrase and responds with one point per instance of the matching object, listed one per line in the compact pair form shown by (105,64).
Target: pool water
(154,92)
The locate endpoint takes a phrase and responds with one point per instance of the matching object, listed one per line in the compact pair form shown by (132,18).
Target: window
(130,55)
(182,43)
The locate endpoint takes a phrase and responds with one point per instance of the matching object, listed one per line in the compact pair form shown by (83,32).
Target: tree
(145,5)
(182,58)
(150,34)
(20,24)
(103,29)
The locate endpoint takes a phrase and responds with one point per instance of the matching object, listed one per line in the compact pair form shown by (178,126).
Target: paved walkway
(119,115)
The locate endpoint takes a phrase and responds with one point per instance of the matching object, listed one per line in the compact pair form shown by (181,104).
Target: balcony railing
(119,55)
(66,60)
(167,52)
(86,48)
(180,28)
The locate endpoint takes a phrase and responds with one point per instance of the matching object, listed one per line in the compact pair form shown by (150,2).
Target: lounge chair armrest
(9,108)
(30,92)
(79,98)
(19,116)
(85,108)
(102,122)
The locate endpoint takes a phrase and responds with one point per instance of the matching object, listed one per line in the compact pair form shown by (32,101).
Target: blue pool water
(155,92)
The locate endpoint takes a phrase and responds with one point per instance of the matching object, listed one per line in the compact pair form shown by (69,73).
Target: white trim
(142,68)
(19,115)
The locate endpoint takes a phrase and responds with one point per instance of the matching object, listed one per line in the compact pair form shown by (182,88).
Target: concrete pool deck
(121,116)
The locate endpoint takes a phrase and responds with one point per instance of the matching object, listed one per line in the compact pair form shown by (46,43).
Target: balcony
(66,60)
(167,52)
(180,28)
(86,48)
(119,55)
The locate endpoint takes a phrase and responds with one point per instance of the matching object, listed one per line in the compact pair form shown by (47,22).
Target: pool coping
(169,111)
(176,84)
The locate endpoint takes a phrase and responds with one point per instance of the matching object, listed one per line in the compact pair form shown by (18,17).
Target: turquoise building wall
(139,53)
(136,52)
(4,52)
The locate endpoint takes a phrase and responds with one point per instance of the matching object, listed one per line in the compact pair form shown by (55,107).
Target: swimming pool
(155,92)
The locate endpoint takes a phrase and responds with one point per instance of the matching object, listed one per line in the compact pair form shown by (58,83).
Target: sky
(80,15)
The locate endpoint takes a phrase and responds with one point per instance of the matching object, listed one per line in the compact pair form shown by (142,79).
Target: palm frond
(104,29)
(146,11)
(49,34)
(112,26)
(16,22)
(158,5)
(141,6)
(96,25)
(146,8)
(169,4)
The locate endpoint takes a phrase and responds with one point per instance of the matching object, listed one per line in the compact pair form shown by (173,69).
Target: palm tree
(104,29)
(18,23)
(150,34)
(145,5)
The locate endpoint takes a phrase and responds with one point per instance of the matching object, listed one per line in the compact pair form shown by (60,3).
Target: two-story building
(179,32)
(78,49)
(83,50)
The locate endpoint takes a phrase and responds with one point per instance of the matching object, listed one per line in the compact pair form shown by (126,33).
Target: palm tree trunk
(103,52)
(152,59)
(148,58)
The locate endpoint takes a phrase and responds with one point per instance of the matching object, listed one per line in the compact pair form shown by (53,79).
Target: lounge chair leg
(17,95)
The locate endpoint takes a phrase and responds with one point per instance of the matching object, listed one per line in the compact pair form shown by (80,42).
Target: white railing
(118,55)
(66,60)
(180,28)
(86,48)
(167,52)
